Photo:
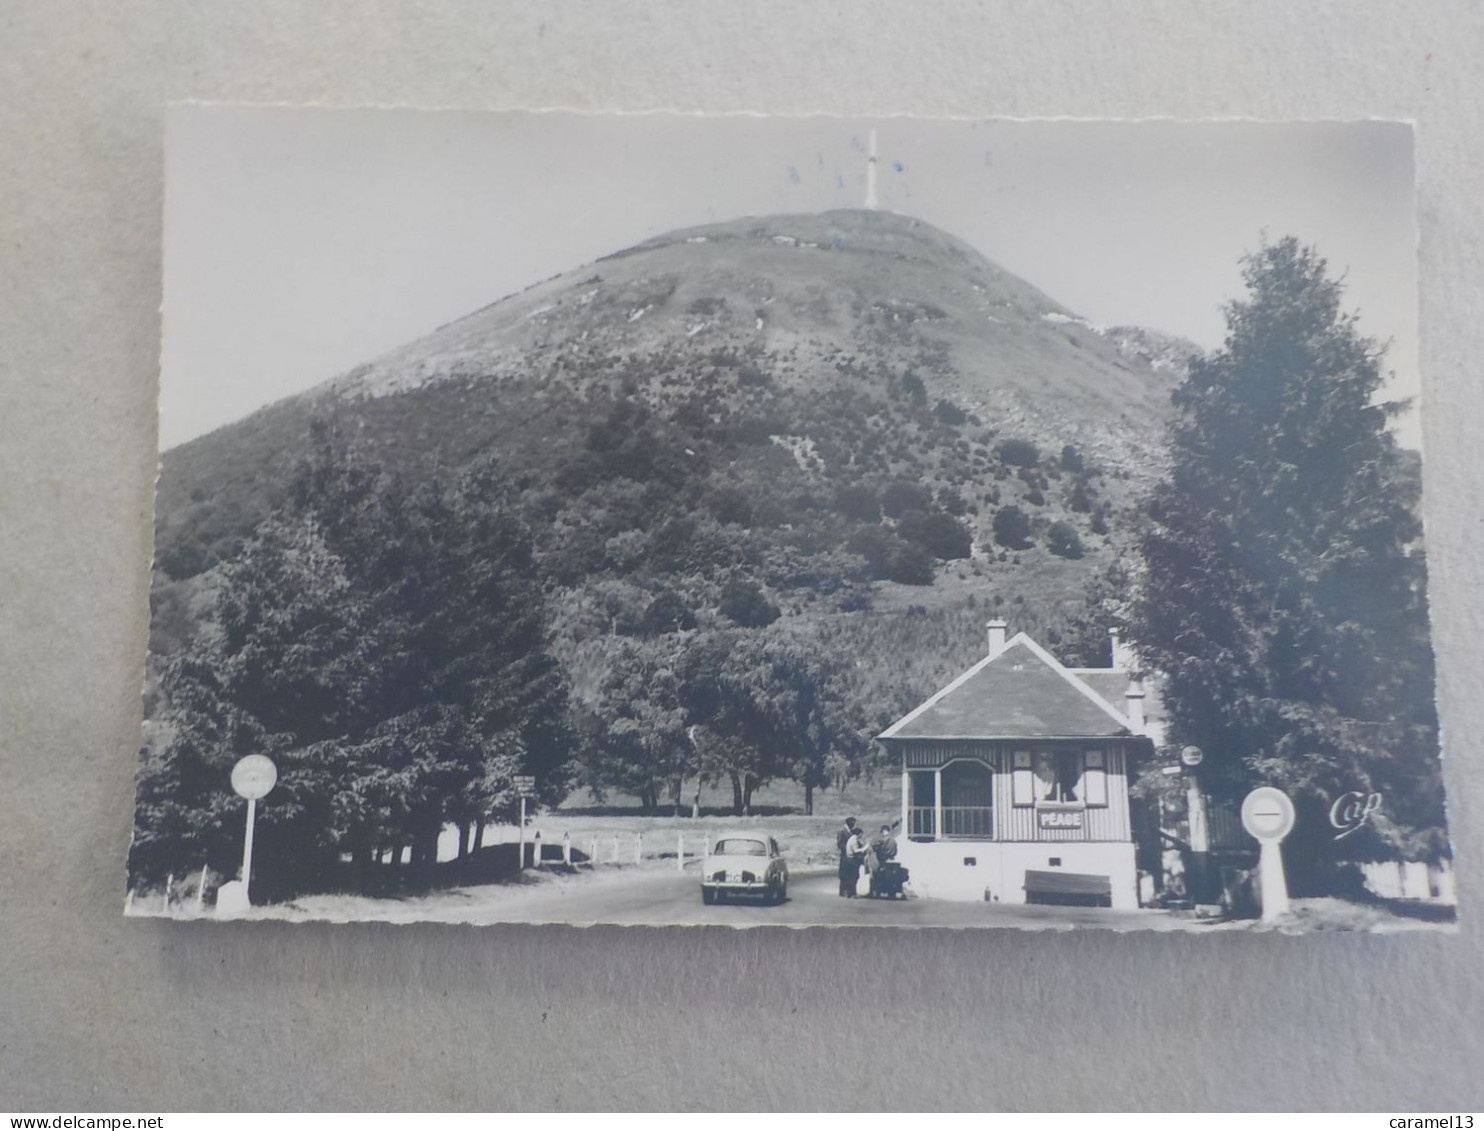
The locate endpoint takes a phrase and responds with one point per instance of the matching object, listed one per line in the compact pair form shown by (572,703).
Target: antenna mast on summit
(871,174)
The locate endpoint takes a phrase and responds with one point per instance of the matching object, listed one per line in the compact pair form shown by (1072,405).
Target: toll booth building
(1015,779)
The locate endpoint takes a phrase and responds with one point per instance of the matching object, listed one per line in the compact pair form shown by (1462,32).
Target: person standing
(855,856)
(842,842)
(885,845)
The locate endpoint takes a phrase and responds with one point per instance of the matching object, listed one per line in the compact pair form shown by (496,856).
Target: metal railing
(974,822)
(922,823)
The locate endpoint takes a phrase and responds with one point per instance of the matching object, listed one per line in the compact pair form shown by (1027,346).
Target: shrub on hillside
(730,505)
(901,496)
(910,565)
(666,613)
(939,534)
(950,413)
(745,603)
(1080,498)
(1012,528)
(913,386)
(1019,453)
(1063,540)
(858,502)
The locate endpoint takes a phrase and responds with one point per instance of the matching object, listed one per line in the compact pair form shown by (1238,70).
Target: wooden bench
(1068,887)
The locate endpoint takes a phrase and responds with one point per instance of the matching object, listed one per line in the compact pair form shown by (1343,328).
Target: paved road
(670,898)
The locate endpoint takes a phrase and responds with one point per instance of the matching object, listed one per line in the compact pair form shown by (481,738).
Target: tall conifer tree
(1283,597)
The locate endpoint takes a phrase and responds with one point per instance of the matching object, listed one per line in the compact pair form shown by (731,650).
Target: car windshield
(734,846)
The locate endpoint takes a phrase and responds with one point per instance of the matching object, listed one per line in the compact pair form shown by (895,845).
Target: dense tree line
(1282,587)
(387,648)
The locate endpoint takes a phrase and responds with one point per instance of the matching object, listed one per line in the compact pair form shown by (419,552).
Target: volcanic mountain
(824,389)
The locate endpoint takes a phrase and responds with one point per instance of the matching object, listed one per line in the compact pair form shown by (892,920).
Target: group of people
(857,850)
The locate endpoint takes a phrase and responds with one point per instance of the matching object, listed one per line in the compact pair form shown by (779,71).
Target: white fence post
(567,849)
(593,856)
(638,848)
(536,850)
(680,852)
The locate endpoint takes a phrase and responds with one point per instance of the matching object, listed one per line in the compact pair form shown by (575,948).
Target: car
(745,863)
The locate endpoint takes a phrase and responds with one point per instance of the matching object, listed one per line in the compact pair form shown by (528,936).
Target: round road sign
(1267,813)
(1192,756)
(254,776)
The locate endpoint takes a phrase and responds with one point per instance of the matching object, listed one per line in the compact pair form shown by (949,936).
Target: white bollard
(680,852)
(615,848)
(567,849)
(638,848)
(536,850)
(592,857)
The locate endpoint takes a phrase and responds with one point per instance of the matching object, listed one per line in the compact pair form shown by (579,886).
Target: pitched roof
(1023,692)
(1110,683)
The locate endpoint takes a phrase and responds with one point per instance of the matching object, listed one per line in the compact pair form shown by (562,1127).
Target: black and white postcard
(729,520)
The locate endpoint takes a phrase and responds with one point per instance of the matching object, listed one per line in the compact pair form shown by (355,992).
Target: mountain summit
(868,346)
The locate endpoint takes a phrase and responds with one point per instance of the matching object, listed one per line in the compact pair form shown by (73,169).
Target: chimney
(1133,705)
(1123,655)
(996,636)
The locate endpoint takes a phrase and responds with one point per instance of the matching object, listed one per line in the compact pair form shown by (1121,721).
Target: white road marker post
(638,849)
(680,852)
(615,848)
(253,777)
(592,858)
(1268,814)
(567,849)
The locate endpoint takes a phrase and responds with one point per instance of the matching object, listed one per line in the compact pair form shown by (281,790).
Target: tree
(1063,540)
(636,733)
(900,496)
(1012,528)
(1019,453)
(769,705)
(744,603)
(941,535)
(1283,597)
(387,648)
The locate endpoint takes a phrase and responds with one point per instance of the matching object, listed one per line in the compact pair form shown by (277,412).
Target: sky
(300,243)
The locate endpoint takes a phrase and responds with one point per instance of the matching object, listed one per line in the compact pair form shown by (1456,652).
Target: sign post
(1199,824)
(525,785)
(253,777)
(1267,814)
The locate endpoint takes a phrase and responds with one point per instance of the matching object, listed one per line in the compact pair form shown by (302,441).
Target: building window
(1095,779)
(968,800)
(1022,780)
(922,813)
(1059,777)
